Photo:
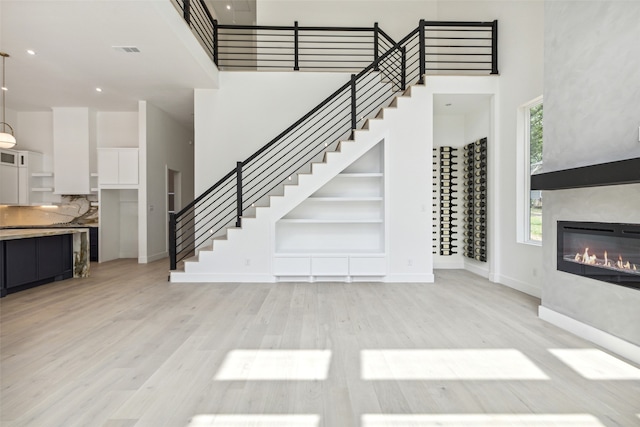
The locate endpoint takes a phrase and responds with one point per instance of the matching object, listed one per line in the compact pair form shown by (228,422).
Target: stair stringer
(247,253)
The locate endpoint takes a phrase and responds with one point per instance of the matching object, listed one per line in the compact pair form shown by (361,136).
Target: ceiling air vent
(126,49)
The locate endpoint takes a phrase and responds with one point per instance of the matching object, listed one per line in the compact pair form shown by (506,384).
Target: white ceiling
(239,12)
(73,41)
(460,104)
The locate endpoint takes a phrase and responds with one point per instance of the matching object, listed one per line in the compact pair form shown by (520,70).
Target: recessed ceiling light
(31,51)
(5,88)
(228,7)
(98,89)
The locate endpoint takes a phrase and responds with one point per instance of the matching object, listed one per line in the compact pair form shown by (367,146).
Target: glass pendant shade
(7,140)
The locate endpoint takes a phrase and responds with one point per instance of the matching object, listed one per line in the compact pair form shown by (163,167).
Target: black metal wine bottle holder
(475,200)
(447,170)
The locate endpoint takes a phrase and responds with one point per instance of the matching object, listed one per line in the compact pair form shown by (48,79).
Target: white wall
(36,134)
(520,42)
(164,144)
(117,129)
(521,79)
(248,111)
(396,18)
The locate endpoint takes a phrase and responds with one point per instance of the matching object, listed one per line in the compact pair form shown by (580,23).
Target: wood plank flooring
(126,348)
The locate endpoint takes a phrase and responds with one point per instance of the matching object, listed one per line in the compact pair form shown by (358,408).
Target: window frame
(523,205)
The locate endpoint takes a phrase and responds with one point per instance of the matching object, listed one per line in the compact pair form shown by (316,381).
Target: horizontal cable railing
(461,47)
(197,15)
(278,162)
(243,47)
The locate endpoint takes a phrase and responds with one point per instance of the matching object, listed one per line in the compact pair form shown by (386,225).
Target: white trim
(612,343)
(409,278)
(152,258)
(523,174)
(448,265)
(482,271)
(182,277)
(519,285)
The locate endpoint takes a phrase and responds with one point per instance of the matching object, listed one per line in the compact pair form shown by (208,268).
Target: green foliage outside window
(535,156)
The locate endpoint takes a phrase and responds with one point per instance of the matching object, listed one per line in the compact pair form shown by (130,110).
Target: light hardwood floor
(126,348)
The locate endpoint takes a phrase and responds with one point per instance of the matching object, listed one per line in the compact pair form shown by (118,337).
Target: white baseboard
(603,339)
(152,258)
(518,285)
(409,278)
(182,277)
(448,265)
(475,269)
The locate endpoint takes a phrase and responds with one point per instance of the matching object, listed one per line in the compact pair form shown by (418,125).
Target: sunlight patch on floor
(480,420)
(223,420)
(275,365)
(594,364)
(445,364)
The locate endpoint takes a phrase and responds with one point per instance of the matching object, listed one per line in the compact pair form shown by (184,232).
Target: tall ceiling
(75,44)
(240,12)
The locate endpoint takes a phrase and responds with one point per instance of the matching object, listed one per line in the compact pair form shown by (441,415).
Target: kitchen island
(32,257)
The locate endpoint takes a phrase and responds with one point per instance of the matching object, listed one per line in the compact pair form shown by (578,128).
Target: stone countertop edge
(12,234)
(33,227)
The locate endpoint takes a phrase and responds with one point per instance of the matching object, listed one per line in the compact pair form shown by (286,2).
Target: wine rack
(475,200)
(446,171)
(436,203)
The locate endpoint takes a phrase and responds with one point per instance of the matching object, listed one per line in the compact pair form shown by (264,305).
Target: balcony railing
(450,47)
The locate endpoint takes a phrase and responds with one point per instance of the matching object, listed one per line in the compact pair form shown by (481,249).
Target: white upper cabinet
(118,167)
(73,140)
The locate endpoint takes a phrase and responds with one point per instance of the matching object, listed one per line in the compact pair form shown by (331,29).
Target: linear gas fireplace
(601,251)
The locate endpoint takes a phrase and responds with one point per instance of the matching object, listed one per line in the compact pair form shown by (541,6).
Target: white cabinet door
(8,184)
(330,266)
(72,130)
(367,266)
(128,166)
(108,167)
(118,167)
(292,266)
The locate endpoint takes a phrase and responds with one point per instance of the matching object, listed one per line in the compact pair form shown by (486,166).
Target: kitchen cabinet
(93,243)
(31,187)
(74,142)
(35,261)
(118,167)
(8,177)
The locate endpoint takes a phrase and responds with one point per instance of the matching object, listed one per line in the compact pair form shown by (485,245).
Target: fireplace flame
(621,264)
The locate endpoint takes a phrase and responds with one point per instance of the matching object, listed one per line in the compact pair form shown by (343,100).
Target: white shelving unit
(339,232)
(42,182)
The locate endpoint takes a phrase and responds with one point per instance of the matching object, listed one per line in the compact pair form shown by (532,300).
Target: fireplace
(601,251)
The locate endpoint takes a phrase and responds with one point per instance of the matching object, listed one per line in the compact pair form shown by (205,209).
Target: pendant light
(7,140)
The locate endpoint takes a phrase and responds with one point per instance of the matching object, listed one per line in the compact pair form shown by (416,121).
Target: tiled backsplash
(77,210)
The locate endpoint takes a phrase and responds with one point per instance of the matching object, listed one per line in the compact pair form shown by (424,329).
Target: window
(530,143)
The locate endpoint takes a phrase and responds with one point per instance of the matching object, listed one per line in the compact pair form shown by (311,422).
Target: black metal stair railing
(450,47)
(278,162)
(198,17)
(243,47)
(278,47)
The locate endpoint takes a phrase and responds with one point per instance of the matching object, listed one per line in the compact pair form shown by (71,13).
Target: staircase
(258,224)
(250,253)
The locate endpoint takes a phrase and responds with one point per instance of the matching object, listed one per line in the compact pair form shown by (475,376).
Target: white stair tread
(361,175)
(346,199)
(330,221)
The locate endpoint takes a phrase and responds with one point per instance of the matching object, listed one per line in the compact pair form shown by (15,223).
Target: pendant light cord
(4,89)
